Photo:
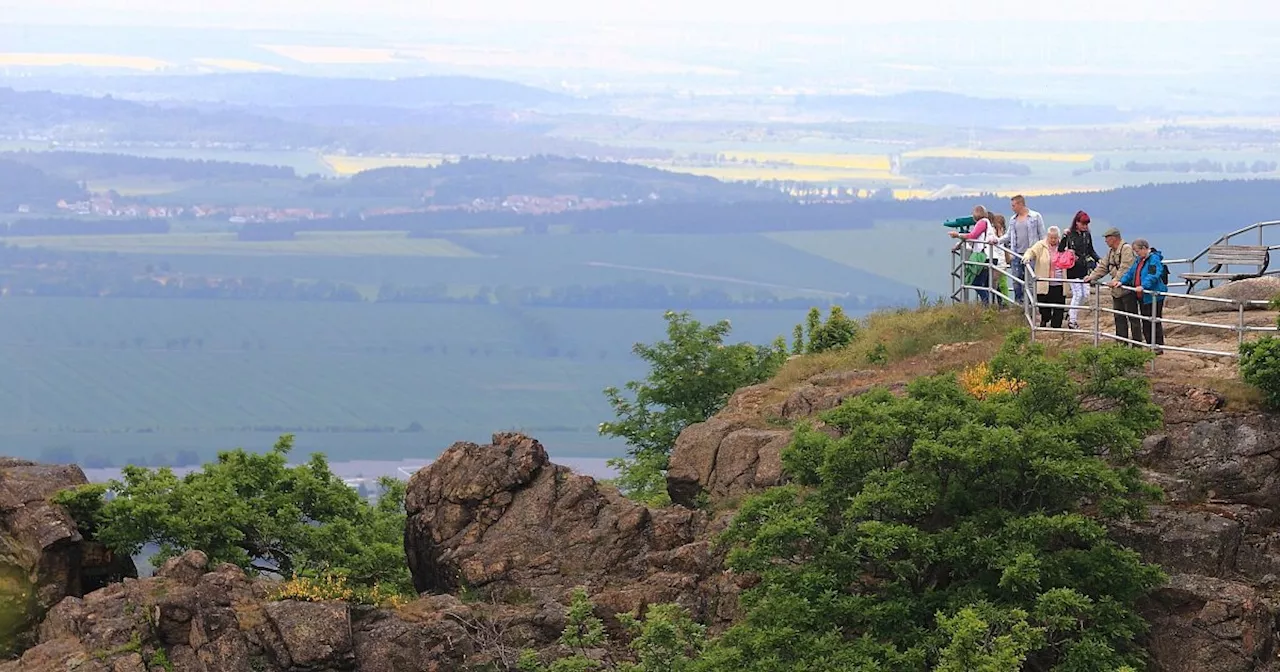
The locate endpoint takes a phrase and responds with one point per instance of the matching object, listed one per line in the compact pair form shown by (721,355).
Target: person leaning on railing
(1147,277)
(977,270)
(1118,260)
(1049,278)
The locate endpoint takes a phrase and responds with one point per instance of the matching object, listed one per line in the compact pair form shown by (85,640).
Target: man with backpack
(1149,278)
(1124,301)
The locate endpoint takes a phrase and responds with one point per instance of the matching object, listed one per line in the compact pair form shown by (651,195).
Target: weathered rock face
(1217,535)
(1212,625)
(43,558)
(221,621)
(501,519)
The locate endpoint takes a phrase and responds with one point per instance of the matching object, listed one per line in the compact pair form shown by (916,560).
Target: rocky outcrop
(198,620)
(43,557)
(501,523)
(501,520)
(732,454)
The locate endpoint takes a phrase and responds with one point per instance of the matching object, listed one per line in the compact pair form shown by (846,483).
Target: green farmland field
(117,378)
(738,264)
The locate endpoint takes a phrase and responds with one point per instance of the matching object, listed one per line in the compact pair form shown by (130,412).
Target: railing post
(1240,329)
(955,293)
(1097,315)
(991,273)
(1029,298)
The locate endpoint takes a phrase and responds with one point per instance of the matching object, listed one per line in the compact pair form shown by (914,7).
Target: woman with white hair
(1049,288)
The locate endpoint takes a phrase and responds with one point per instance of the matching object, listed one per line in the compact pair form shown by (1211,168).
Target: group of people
(1065,263)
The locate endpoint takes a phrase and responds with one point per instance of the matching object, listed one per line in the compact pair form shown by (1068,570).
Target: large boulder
(1249,289)
(503,521)
(724,458)
(43,557)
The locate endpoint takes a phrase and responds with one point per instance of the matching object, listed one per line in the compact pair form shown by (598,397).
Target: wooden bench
(1231,255)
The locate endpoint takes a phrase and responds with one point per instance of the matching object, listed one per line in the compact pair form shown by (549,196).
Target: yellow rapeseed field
(997,154)
(350,165)
(82,60)
(910,194)
(869,162)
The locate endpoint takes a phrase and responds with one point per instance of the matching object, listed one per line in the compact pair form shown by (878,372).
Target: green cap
(1112,231)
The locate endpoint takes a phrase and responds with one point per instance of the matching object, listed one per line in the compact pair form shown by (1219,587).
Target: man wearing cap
(1119,259)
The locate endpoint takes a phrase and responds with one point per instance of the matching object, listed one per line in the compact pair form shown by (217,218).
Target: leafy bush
(254,511)
(1260,367)
(944,531)
(816,336)
(666,640)
(691,376)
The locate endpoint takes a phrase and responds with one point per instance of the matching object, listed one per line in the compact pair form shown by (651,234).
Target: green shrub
(255,511)
(942,531)
(815,335)
(1260,367)
(665,640)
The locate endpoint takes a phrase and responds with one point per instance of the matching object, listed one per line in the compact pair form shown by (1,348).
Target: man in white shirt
(1025,229)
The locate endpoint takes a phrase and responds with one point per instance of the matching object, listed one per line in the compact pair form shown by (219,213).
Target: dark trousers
(983,280)
(1128,324)
(1156,307)
(1052,317)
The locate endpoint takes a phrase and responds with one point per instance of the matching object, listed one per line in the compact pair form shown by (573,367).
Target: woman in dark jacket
(1080,241)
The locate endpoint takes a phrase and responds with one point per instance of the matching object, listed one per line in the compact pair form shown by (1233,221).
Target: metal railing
(987,283)
(1228,239)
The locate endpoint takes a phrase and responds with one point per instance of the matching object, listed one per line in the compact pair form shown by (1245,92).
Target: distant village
(104,205)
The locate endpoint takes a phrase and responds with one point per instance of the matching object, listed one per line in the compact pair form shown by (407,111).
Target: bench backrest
(1247,255)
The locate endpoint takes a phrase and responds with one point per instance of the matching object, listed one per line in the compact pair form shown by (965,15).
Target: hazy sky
(277,12)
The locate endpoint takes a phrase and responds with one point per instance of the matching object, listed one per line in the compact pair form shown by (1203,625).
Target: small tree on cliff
(956,528)
(691,376)
(255,511)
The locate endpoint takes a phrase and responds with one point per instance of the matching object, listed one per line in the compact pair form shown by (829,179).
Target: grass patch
(1239,395)
(888,337)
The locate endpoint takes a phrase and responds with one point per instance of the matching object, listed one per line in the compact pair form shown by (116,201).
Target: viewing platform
(1215,301)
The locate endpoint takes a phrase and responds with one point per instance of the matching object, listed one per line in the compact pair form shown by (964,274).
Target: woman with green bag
(978,244)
